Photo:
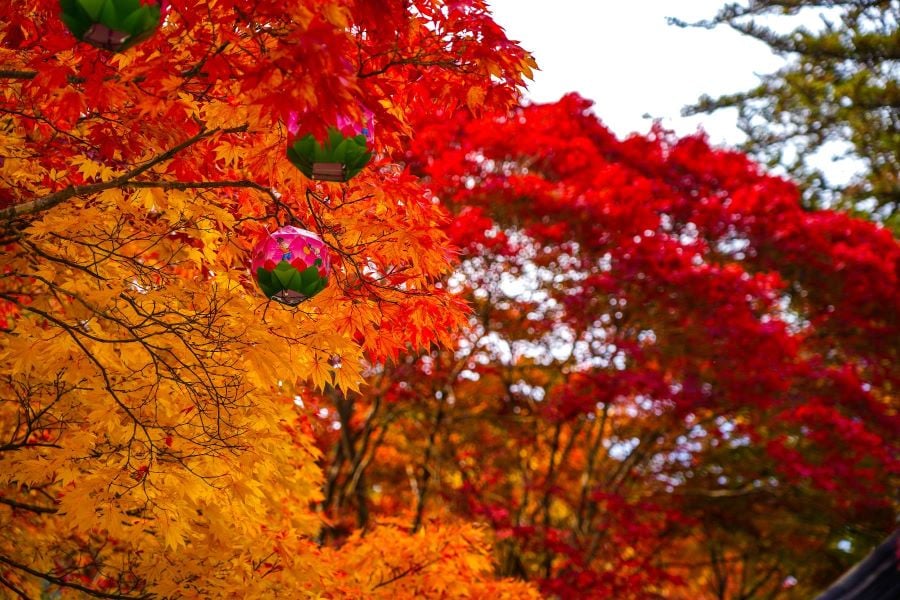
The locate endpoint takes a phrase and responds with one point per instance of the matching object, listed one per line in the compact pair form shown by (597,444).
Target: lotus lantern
(343,152)
(291,265)
(113,25)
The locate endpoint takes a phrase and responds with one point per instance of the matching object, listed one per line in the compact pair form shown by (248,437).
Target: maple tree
(676,382)
(152,442)
(670,381)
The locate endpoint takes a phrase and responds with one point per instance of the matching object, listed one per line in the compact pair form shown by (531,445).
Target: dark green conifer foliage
(841,83)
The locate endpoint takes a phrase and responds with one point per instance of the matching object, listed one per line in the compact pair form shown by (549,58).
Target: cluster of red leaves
(245,67)
(763,295)
(700,297)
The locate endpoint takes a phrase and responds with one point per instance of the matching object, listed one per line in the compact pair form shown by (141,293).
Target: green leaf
(295,157)
(127,7)
(354,151)
(358,164)
(284,272)
(152,16)
(134,23)
(109,16)
(321,154)
(309,275)
(295,283)
(70,6)
(339,152)
(78,26)
(264,279)
(306,147)
(335,137)
(93,8)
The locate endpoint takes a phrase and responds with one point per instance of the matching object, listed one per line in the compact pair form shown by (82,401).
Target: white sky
(625,57)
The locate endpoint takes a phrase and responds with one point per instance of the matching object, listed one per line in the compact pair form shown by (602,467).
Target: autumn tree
(152,442)
(838,92)
(676,382)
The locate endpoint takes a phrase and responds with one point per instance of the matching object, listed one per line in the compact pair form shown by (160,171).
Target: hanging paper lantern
(339,157)
(291,265)
(112,25)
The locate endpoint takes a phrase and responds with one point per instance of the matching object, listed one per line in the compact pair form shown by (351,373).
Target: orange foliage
(149,441)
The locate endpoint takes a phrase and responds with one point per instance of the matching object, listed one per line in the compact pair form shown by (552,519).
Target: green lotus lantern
(113,25)
(342,154)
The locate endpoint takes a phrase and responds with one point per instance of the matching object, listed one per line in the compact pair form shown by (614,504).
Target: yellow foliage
(147,443)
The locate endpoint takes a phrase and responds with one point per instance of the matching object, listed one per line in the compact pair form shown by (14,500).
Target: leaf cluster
(676,380)
(152,438)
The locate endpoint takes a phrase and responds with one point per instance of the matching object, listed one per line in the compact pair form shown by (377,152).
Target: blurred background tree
(837,95)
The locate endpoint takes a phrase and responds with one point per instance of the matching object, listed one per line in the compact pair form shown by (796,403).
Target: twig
(56,198)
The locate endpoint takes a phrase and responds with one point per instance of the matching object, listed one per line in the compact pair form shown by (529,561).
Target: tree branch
(412,570)
(189,185)
(63,583)
(45,510)
(17,74)
(47,202)
(22,595)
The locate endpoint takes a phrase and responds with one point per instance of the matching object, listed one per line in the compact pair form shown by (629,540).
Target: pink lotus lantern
(291,265)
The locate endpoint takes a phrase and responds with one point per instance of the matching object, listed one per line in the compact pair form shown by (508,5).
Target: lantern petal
(93,8)
(264,279)
(284,272)
(109,15)
(309,275)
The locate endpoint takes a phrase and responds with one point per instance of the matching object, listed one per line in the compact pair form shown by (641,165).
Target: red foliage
(734,344)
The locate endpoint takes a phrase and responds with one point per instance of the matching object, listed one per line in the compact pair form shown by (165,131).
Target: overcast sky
(625,57)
